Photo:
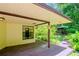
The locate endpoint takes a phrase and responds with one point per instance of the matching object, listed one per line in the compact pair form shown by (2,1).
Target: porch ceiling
(30,10)
(17,20)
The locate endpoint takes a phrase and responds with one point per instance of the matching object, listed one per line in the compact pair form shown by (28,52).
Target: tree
(72,11)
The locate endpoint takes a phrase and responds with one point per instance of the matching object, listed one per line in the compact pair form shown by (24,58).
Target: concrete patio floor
(33,49)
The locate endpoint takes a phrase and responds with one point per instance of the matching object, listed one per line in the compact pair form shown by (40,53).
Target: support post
(49,35)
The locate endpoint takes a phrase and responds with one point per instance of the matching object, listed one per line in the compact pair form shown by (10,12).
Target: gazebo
(30,14)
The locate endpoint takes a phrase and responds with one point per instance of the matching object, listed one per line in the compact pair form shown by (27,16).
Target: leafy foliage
(72,11)
(74,40)
(42,33)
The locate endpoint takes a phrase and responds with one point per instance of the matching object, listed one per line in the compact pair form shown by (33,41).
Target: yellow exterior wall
(11,35)
(2,34)
(14,35)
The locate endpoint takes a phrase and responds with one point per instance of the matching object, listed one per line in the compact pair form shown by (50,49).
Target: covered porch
(13,16)
(30,15)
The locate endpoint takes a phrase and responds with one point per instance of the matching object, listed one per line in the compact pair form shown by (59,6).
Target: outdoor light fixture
(2,18)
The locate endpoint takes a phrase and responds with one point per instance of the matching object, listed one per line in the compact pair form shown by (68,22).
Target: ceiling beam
(21,16)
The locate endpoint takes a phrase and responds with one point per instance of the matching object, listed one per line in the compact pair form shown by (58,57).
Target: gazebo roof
(32,14)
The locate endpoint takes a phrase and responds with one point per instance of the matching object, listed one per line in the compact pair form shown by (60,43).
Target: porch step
(65,52)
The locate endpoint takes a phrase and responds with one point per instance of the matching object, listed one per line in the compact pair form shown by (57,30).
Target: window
(28,32)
